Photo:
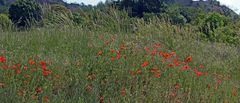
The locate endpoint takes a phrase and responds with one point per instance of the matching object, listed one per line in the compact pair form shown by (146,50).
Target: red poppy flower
(15,67)
(157,75)
(145,64)
(118,56)
(173,54)
(154,52)
(31,62)
(5,67)
(2,59)
(47,72)
(43,63)
(44,67)
(157,45)
(139,71)
(45,99)
(201,66)
(101,99)
(100,53)
(112,59)
(188,59)
(185,68)
(112,50)
(170,65)
(199,73)
(18,71)
(147,49)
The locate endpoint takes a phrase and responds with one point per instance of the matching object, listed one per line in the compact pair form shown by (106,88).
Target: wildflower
(34,97)
(18,71)
(145,64)
(46,72)
(101,99)
(100,53)
(118,56)
(100,37)
(132,73)
(157,75)
(43,63)
(154,52)
(5,67)
(39,90)
(157,45)
(173,94)
(188,59)
(147,49)
(173,54)
(27,76)
(234,92)
(201,66)
(18,65)
(155,69)
(177,86)
(185,68)
(139,71)
(45,99)
(44,67)
(2,59)
(15,67)
(199,73)
(112,50)
(112,59)
(166,55)
(107,42)
(170,65)
(31,62)
(123,92)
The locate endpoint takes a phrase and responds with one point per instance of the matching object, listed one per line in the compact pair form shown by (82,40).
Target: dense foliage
(5,22)
(215,22)
(23,12)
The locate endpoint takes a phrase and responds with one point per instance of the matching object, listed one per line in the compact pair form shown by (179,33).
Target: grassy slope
(72,54)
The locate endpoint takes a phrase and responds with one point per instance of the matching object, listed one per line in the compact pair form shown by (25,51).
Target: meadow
(157,63)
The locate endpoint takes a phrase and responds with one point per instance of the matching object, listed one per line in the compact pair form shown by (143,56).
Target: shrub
(25,12)
(5,22)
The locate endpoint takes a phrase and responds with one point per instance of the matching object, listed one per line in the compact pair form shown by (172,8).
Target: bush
(5,22)
(25,12)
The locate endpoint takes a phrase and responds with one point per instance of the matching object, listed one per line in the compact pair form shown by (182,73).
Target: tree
(24,12)
(137,8)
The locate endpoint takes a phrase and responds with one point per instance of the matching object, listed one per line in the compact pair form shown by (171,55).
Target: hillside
(210,5)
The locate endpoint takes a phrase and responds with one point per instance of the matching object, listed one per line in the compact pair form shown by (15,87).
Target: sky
(234,4)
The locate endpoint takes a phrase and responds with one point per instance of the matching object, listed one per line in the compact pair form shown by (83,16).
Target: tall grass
(83,69)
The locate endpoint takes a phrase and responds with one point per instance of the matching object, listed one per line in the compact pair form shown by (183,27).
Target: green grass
(80,75)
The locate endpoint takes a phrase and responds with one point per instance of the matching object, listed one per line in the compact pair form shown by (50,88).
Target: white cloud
(92,2)
(233,4)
